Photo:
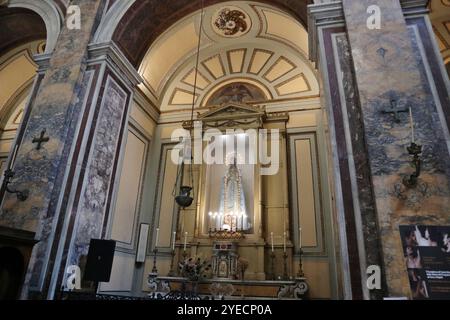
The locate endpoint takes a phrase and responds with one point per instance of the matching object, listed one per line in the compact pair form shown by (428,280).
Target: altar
(224,261)
(230,250)
(177,288)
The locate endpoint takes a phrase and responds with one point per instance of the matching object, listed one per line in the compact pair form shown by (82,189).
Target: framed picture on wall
(427,260)
(142,243)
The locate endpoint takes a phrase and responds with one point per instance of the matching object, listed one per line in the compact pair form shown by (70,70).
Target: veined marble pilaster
(100,168)
(356,220)
(97,157)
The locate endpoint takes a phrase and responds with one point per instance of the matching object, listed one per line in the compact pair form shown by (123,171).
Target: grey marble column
(388,65)
(55,108)
(81,98)
(356,221)
(362,70)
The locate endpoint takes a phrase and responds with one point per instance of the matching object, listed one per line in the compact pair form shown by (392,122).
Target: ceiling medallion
(231,22)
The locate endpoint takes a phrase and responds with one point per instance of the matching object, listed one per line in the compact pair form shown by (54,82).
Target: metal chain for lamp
(177,180)
(197,62)
(184,199)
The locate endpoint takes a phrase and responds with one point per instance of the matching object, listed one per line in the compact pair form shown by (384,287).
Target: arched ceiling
(146,20)
(17,72)
(440,18)
(62,4)
(19,26)
(263,46)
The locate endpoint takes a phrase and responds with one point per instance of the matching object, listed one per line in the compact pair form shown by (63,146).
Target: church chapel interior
(354,119)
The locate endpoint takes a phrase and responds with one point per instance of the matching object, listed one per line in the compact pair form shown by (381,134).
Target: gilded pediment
(233,110)
(237,116)
(231,115)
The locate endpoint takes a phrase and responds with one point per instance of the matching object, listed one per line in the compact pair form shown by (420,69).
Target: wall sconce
(415,150)
(21,195)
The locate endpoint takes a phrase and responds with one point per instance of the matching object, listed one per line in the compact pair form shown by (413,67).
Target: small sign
(427,260)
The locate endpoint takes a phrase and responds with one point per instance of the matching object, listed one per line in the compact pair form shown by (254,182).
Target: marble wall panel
(101,171)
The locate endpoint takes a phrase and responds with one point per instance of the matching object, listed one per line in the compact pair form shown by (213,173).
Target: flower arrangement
(194,269)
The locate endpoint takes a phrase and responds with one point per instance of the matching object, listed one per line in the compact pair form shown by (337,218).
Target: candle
(174,239)
(284,241)
(411,120)
(271,238)
(157,237)
(185,240)
(13,158)
(300,238)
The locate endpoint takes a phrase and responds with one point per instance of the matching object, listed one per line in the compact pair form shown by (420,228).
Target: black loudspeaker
(100,260)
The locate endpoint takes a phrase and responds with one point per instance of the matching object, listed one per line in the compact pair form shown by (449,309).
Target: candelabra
(285,272)
(172,272)
(154,270)
(300,273)
(415,150)
(272,266)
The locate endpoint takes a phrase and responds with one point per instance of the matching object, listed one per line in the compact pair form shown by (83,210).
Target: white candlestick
(411,120)
(284,241)
(185,240)
(300,237)
(173,241)
(13,158)
(271,238)
(157,237)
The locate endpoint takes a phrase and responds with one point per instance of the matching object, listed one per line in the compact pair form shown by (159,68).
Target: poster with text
(427,260)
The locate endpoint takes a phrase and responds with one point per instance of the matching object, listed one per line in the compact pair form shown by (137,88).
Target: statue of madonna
(232,213)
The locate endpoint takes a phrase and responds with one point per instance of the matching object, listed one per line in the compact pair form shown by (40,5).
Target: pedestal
(224,259)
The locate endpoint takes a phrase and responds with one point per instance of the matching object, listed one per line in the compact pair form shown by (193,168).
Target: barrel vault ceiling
(440,18)
(241,42)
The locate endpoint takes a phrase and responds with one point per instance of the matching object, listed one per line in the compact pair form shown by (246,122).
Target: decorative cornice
(110,53)
(332,14)
(43,61)
(277,117)
(146,104)
(174,117)
(231,115)
(232,108)
(321,15)
(414,7)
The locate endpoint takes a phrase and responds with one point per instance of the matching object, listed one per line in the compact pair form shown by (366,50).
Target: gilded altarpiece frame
(252,247)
